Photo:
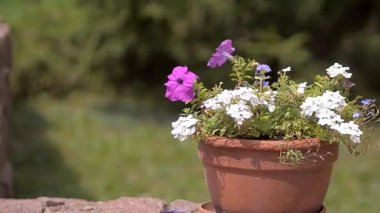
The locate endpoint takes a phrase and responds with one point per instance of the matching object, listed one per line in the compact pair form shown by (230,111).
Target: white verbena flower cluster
(268,98)
(184,127)
(337,69)
(301,87)
(327,101)
(287,69)
(349,128)
(239,112)
(239,103)
(324,108)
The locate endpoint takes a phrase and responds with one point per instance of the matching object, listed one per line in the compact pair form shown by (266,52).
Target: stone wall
(5,100)
(120,205)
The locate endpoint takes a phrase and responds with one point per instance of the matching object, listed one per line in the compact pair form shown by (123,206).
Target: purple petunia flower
(180,84)
(367,101)
(265,83)
(222,54)
(263,67)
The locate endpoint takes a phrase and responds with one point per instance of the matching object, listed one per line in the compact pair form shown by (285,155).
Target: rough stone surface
(68,205)
(5,101)
(133,205)
(20,206)
(184,206)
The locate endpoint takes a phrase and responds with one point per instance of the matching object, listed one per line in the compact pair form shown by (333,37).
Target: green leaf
(186,110)
(262,125)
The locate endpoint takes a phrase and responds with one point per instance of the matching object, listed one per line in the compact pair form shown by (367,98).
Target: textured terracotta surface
(5,101)
(243,178)
(209,208)
(270,145)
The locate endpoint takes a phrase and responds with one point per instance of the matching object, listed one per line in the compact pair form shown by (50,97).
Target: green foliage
(291,157)
(242,70)
(53,45)
(64,44)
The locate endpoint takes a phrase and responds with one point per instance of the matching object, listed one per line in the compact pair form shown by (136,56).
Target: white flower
(355,139)
(301,87)
(238,103)
(324,108)
(212,103)
(245,93)
(349,128)
(184,127)
(225,97)
(288,69)
(268,100)
(332,100)
(328,117)
(271,108)
(309,106)
(239,112)
(328,100)
(222,99)
(337,69)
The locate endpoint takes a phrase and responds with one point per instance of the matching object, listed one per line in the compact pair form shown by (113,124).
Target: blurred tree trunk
(5,100)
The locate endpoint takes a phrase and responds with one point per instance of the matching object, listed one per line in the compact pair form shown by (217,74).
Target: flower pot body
(246,175)
(209,208)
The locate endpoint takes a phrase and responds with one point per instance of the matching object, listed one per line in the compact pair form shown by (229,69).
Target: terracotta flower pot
(209,208)
(246,175)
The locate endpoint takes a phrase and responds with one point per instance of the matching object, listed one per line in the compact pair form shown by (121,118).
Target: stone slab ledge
(120,205)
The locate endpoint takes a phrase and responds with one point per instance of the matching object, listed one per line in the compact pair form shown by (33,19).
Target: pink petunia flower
(180,84)
(222,54)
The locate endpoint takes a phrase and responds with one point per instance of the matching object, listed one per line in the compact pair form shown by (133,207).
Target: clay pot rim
(270,145)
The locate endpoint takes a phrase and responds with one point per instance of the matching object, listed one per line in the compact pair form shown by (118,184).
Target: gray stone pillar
(5,107)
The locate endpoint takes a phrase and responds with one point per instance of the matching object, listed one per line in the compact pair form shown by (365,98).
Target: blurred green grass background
(94,147)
